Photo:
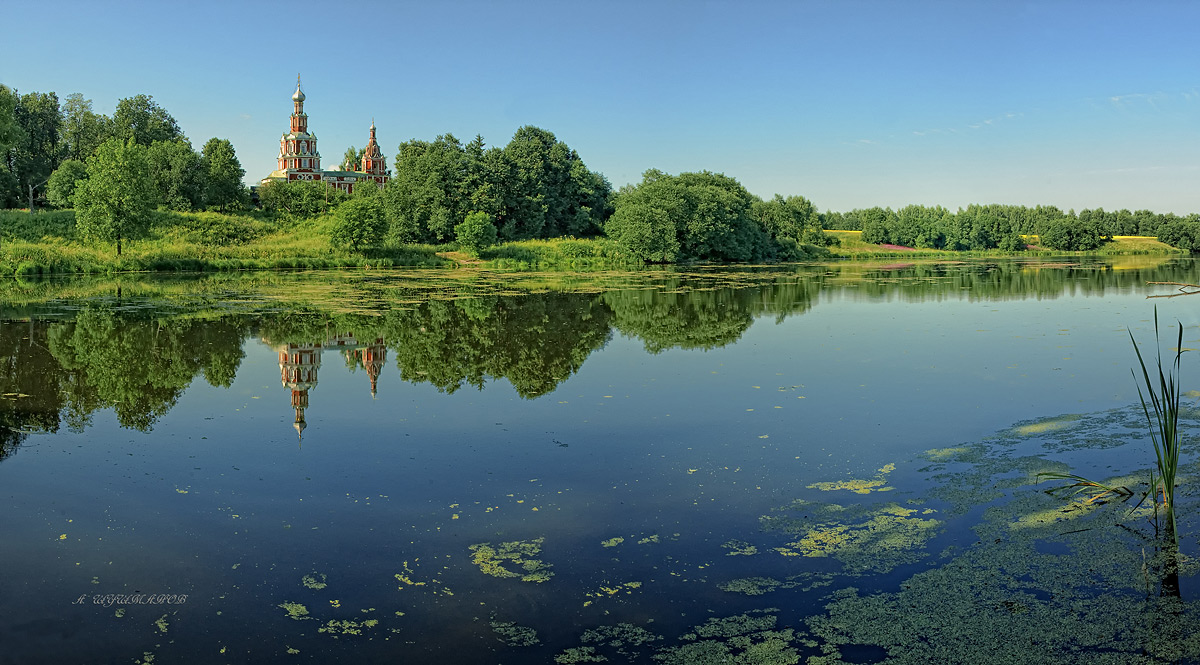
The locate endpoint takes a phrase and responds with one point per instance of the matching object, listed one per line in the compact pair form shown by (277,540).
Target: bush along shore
(47,242)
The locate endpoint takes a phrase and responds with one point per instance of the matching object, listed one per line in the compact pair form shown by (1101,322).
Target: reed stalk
(1164,396)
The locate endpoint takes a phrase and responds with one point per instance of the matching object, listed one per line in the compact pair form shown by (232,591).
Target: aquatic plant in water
(492,560)
(1164,425)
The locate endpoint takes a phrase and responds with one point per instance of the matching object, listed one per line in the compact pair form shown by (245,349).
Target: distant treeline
(998,226)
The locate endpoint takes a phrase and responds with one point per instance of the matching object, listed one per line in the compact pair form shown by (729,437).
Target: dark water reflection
(668,445)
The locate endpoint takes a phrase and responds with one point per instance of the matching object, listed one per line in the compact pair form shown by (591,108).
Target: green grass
(46,243)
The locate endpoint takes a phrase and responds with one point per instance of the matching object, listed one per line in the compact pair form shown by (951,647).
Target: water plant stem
(1164,424)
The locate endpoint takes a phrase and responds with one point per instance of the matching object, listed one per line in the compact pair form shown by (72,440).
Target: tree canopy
(116,199)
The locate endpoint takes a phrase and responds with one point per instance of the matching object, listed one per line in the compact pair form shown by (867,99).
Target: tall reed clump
(1163,392)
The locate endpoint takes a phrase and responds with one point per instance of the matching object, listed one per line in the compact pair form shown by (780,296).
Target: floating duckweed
(292,650)
(1046,425)
(946,454)
(746,639)
(1032,587)
(513,635)
(346,627)
(751,586)
(520,553)
(859,486)
(648,539)
(311,581)
(863,538)
(120,612)
(625,638)
(295,610)
(739,624)
(606,591)
(162,624)
(612,542)
(739,548)
(576,655)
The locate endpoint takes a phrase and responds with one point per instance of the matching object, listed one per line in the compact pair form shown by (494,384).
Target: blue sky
(851,104)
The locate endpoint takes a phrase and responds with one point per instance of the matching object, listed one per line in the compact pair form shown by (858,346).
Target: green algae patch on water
(863,538)
(514,635)
(1050,578)
(295,610)
(612,542)
(1046,425)
(315,581)
(745,639)
(346,627)
(739,548)
(877,484)
(499,561)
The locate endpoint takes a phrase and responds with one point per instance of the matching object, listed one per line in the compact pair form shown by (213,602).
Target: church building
(299,159)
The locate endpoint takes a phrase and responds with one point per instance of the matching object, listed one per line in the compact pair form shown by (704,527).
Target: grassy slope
(47,243)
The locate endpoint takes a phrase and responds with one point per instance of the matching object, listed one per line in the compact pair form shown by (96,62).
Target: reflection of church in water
(298,365)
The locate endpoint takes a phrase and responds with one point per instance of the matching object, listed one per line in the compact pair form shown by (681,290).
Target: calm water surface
(651,467)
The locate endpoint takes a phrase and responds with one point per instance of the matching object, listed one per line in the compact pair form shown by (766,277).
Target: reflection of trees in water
(139,367)
(534,341)
(1006,279)
(30,394)
(704,319)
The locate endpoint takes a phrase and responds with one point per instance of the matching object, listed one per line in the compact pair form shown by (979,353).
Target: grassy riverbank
(47,243)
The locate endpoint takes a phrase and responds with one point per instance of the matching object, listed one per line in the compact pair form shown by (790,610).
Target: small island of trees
(129,192)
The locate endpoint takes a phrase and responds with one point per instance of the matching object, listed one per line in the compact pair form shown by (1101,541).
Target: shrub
(475,233)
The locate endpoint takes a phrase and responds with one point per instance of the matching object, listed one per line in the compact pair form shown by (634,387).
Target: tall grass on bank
(1163,392)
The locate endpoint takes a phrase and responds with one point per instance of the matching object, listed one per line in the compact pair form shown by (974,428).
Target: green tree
(359,224)
(426,195)
(353,158)
(1072,234)
(139,118)
(692,216)
(299,198)
(37,151)
(551,192)
(178,176)
(224,174)
(793,217)
(116,199)
(60,190)
(475,233)
(82,129)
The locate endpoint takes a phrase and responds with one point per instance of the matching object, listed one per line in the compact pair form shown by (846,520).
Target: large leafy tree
(10,135)
(37,152)
(425,198)
(117,199)
(180,180)
(141,119)
(692,216)
(793,217)
(552,191)
(224,174)
(60,190)
(82,129)
(359,224)
(353,158)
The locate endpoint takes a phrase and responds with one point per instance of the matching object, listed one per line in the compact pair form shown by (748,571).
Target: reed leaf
(1164,399)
